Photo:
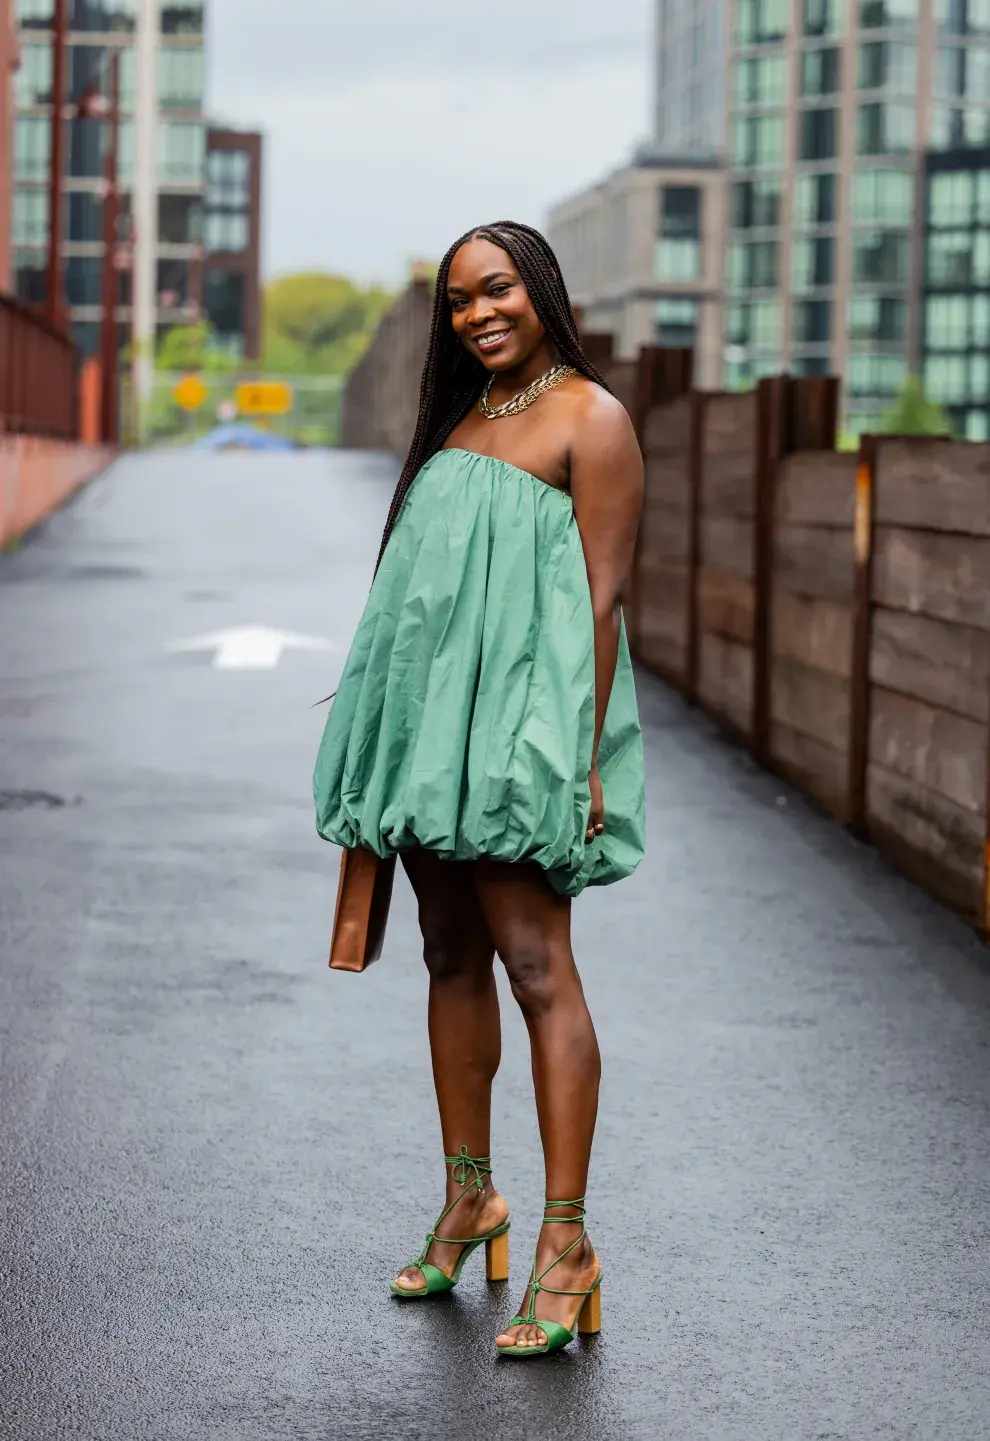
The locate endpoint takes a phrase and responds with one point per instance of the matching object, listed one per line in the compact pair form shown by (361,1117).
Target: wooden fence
(830,611)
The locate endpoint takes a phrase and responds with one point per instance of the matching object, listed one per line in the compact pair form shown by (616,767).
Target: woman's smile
(492,340)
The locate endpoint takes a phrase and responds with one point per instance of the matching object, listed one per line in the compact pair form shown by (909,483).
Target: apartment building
(232,238)
(162,160)
(690,111)
(833,108)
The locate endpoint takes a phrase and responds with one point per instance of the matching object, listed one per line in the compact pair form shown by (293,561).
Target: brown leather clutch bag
(363,897)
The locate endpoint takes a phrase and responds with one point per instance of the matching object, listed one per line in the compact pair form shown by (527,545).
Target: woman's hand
(596,817)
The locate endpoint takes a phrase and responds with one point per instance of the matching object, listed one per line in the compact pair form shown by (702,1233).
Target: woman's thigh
(456,935)
(530,925)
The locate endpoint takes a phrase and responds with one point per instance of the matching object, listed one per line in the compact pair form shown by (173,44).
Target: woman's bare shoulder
(597,418)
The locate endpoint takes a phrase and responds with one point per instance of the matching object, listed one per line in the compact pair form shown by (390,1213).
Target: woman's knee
(450,951)
(533,975)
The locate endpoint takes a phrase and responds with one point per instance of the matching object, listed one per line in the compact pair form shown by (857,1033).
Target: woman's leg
(465,1038)
(531,928)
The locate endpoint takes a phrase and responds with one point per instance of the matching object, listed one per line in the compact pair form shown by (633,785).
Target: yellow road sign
(190,392)
(264,397)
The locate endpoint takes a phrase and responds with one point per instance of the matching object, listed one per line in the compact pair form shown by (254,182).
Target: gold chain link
(526,397)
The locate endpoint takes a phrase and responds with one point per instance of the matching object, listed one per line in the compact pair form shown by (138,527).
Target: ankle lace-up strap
(466,1171)
(536,1281)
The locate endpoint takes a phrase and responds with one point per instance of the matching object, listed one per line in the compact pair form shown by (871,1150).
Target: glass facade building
(232,285)
(98,28)
(956,317)
(833,106)
(690,78)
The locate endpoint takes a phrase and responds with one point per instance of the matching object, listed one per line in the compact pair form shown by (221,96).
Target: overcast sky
(393,125)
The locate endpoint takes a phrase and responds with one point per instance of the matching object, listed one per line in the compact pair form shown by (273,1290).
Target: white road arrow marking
(250,647)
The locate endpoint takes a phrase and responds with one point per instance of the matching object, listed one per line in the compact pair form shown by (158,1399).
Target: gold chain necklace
(526,397)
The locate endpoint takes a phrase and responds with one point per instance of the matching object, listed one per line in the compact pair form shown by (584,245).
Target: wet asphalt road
(215,1154)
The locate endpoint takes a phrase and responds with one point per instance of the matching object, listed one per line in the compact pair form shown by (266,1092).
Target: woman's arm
(607,490)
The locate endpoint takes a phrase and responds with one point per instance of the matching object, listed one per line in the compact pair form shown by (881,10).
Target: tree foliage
(319,323)
(191,348)
(914,414)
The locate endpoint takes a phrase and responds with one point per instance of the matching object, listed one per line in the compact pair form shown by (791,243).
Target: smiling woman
(485,729)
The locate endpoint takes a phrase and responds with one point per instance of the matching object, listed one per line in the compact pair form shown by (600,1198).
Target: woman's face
(492,314)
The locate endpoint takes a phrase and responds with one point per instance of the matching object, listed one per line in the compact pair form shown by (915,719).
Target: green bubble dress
(464,718)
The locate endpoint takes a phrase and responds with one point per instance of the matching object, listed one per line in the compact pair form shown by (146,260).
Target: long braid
(452,378)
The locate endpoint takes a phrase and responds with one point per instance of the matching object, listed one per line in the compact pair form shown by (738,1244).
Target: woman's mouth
(491,341)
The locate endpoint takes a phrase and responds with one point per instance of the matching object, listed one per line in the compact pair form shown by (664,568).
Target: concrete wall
(381,399)
(37,475)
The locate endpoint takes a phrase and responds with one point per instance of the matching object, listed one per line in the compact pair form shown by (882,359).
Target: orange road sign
(190,392)
(264,397)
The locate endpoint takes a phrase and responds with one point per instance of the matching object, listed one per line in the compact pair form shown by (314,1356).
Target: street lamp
(94,105)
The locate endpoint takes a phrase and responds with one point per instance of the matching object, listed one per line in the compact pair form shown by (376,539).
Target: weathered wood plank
(817,487)
(936,843)
(944,753)
(816,768)
(662,592)
(727,545)
(667,428)
(934,485)
(811,561)
(665,534)
(943,576)
(662,654)
(730,423)
(728,483)
(667,483)
(726,605)
(725,680)
(810,701)
(946,665)
(816,633)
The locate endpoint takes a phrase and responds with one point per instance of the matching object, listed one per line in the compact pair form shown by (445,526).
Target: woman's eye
(499,289)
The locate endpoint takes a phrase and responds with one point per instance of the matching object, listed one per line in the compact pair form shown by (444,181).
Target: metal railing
(37,374)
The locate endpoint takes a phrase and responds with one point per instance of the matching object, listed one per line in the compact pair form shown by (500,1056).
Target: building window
(182,19)
(892,66)
(952,199)
(228,175)
(820,72)
(30,218)
(181,77)
(814,322)
(226,231)
(885,129)
(947,322)
(31,275)
(173,284)
(883,196)
(755,204)
(818,134)
(753,265)
(104,17)
(959,258)
(85,217)
(84,280)
(35,14)
(180,219)
(679,248)
(947,379)
(759,141)
(181,152)
(32,147)
(878,318)
(676,321)
(33,80)
(756,326)
(224,298)
(822,17)
(761,21)
(814,200)
(870,374)
(887,14)
(761,80)
(880,258)
(813,263)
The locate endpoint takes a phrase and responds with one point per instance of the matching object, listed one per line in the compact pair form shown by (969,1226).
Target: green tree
(914,414)
(192,347)
(319,323)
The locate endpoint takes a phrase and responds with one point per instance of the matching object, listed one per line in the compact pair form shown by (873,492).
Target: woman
(485,728)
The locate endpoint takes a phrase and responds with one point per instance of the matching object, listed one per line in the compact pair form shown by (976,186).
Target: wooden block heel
(590,1319)
(497,1257)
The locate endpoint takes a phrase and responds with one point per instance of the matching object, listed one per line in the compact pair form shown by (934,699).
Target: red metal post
(862,638)
(109,346)
(53,298)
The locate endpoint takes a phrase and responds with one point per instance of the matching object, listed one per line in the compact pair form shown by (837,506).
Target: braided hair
(452,378)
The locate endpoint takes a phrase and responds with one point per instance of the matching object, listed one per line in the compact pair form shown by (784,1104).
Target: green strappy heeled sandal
(587,1321)
(467,1171)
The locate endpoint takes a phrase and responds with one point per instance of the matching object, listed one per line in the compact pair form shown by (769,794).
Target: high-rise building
(9,57)
(232,234)
(162,159)
(690,78)
(833,106)
(956,316)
